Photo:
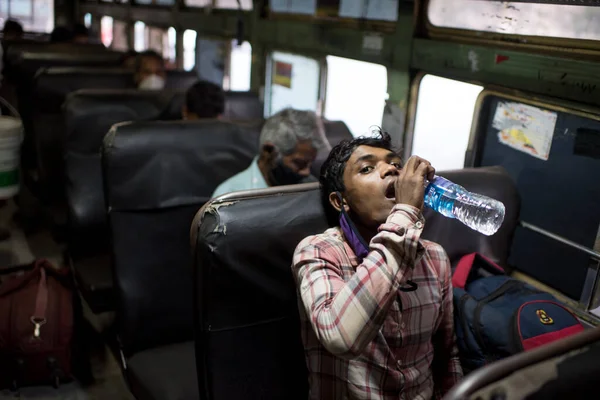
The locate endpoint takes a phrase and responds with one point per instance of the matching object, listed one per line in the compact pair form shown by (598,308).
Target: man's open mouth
(390,192)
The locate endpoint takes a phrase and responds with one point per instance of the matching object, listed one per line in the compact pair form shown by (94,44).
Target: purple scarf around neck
(360,247)
(351,234)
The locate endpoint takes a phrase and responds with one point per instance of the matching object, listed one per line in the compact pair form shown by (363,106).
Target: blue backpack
(497,316)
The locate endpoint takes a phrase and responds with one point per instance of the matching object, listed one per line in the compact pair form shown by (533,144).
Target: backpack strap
(463,269)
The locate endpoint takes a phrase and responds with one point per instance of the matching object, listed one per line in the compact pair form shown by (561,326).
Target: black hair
(205,99)
(61,34)
(80,30)
(147,54)
(332,170)
(12,26)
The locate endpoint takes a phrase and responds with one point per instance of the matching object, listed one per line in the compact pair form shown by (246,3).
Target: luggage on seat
(36,325)
(497,316)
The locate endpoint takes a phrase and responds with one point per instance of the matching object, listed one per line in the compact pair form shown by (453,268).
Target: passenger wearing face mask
(289,142)
(149,71)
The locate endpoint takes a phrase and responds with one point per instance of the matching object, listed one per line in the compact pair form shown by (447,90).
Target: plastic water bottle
(477,211)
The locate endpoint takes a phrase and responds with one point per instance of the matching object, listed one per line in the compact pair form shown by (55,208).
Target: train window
(164,2)
(210,60)
(386,10)
(139,36)
(169,49)
(87,20)
(198,3)
(293,81)
(106,30)
(189,49)
(573,21)
(154,37)
(119,41)
(293,7)
(356,93)
(34,15)
(233,4)
(443,122)
(240,65)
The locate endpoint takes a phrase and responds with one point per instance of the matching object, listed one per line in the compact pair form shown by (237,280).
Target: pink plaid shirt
(363,337)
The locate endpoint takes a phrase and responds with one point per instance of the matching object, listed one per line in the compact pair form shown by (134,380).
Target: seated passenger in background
(203,100)
(81,34)
(61,34)
(12,30)
(375,299)
(289,142)
(129,59)
(149,71)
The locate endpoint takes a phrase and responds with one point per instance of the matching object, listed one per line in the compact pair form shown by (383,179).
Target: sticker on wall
(282,74)
(525,128)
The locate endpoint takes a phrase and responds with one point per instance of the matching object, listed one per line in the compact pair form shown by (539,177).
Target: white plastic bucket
(11,136)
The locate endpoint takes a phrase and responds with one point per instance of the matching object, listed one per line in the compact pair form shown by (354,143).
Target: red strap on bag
(464,267)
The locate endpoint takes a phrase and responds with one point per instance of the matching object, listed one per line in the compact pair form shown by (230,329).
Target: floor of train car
(109,382)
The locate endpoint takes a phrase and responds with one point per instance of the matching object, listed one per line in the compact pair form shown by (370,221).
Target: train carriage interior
(182,296)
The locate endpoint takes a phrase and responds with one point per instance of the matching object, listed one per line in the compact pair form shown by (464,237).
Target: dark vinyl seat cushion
(164,373)
(458,239)
(243,106)
(564,369)
(89,115)
(180,80)
(156,177)
(246,303)
(50,88)
(95,282)
(246,298)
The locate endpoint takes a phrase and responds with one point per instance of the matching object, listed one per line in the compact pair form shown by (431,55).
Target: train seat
(50,88)
(458,239)
(157,175)
(243,106)
(180,80)
(89,115)
(247,333)
(565,369)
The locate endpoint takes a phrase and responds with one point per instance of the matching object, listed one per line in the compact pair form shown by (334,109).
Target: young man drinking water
(375,299)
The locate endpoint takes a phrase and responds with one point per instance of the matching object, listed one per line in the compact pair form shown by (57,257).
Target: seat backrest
(564,369)
(156,177)
(180,80)
(52,84)
(246,298)
(458,239)
(335,132)
(88,115)
(49,90)
(248,335)
(243,106)
(26,62)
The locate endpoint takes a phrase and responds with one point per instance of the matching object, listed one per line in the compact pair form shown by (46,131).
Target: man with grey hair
(289,142)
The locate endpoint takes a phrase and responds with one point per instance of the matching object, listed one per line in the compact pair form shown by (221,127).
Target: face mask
(152,82)
(283,175)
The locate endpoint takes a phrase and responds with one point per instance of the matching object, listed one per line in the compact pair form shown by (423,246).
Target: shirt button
(399,365)
(401,231)
(402,325)
(419,225)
